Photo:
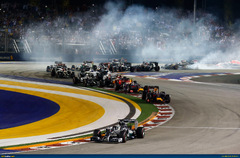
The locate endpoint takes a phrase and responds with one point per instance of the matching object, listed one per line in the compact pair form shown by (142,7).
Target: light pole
(194,11)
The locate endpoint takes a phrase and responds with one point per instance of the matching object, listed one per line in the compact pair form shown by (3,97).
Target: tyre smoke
(164,35)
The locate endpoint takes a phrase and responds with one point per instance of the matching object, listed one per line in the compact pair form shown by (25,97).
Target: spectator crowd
(23,21)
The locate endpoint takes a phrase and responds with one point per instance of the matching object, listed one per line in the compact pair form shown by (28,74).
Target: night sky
(226,10)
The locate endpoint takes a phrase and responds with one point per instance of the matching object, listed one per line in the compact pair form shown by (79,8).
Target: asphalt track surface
(206,120)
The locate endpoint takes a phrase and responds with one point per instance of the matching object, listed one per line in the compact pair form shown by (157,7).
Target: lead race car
(125,130)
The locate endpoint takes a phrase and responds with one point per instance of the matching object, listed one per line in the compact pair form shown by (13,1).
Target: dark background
(225,10)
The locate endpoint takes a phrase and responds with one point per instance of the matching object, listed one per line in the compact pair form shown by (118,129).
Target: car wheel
(167,99)
(132,69)
(85,83)
(157,68)
(97,133)
(53,72)
(123,135)
(140,132)
(116,87)
(75,80)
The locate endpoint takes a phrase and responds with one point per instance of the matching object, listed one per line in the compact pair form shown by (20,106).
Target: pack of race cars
(60,69)
(88,74)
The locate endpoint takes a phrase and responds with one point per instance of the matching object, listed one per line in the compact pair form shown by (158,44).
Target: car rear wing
(130,122)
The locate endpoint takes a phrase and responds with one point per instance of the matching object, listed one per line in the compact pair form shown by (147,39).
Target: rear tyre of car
(132,69)
(157,68)
(97,133)
(123,135)
(75,80)
(48,69)
(53,72)
(85,82)
(140,132)
(167,99)
(175,67)
(116,87)
(144,94)
(99,84)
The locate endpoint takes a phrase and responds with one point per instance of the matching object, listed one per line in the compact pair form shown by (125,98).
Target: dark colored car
(125,130)
(152,95)
(145,66)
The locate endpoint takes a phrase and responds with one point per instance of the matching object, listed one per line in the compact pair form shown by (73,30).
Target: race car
(173,66)
(121,83)
(125,130)
(183,65)
(146,66)
(56,64)
(134,87)
(119,65)
(87,78)
(152,95)
(105,78)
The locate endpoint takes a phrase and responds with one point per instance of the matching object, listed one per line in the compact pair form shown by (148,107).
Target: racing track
(206,121)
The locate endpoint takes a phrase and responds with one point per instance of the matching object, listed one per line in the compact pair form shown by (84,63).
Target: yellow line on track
(70,90)
(73,113)
(57,88)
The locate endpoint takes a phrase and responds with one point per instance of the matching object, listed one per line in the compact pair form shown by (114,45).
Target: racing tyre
(140,132)
(132,69)
(53,72)
(167,99)
(144,94)
(97,133)
(94,67)
(149,98)
(123,135)
(175,67)
(48,69)
(99,84)
(85,83)
(157,68)
(116,87)
(75,80)
(128,88)
(120,69)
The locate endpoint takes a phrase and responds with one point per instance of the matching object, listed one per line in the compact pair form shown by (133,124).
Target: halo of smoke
(162,35)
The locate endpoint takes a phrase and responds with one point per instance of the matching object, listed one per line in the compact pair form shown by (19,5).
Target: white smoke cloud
(165,35)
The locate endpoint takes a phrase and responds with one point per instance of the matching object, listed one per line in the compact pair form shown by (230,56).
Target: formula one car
(105,78)
(183,65)
(145,66)
(171,66)
(121,83)
(125,130)
(87,66)
(152,95)
(60,70)
(57,63)
(87,78)
(134,87)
